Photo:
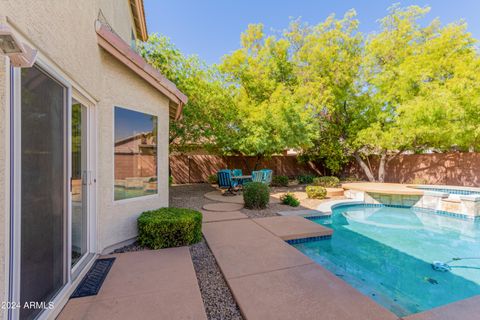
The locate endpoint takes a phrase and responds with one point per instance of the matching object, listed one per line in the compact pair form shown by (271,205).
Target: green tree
(272,117)
(426,81)
(328,61)
(210,108)
(406,88)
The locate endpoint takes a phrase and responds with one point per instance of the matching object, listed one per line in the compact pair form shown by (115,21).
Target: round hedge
(316,192)
(326,181)
(169,227)
(256,195)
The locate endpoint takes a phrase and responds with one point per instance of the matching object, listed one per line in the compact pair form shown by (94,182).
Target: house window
(135,154)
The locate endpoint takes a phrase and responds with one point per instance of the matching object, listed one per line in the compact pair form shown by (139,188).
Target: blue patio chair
(267,176)
(257,176)
(225,181)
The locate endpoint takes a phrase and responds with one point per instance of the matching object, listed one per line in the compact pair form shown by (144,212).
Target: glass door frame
(90,188)
(14,266)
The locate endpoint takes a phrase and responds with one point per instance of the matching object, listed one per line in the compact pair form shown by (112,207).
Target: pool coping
(325,210)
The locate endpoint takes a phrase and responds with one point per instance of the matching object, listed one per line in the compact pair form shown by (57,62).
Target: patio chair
(267,176)
(257,176)
(225,181)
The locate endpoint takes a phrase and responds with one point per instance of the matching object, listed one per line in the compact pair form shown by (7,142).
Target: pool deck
(383,188)
(468,309)
(272,280)
(150,284)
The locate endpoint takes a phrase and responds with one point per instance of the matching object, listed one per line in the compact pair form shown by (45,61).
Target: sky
(129,123)
(212,28)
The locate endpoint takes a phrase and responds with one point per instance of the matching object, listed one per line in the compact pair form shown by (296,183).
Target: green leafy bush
(326,181)
(280,181)
(256,195)
(213,179)
(305,179)
(169,227)
(290,199)
(170,180)
(316,192)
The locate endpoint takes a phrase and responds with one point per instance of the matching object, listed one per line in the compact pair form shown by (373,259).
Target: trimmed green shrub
(305,179)
(256,195)
(280,181)
(326,181)
(290,199)
(169,227)
(170,180)
(316,192)
(213,179)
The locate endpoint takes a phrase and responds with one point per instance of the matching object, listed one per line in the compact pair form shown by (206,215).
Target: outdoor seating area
(232,181)
(305,160)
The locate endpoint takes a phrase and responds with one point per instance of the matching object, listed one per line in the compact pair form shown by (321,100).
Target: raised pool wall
(439,201)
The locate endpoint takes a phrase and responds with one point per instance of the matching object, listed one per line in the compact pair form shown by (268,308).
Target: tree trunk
(381,167)
(364,167)
(259,157)
(246,163)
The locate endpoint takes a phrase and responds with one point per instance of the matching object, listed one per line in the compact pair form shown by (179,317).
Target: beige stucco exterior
(64,34)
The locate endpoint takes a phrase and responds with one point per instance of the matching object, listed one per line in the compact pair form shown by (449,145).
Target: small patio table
(241,179)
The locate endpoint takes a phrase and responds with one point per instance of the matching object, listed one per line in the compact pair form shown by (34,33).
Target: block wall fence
(462,169)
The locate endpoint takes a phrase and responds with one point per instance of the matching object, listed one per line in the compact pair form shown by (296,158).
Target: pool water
(386,253)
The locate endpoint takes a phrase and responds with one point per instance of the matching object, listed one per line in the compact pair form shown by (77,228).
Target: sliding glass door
(43,200)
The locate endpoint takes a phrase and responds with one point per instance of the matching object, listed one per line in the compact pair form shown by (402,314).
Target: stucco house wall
(64,34)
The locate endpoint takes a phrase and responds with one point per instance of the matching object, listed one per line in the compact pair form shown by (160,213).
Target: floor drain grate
(93,280)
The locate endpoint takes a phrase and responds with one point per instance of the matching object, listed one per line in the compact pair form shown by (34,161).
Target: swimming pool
(386,253)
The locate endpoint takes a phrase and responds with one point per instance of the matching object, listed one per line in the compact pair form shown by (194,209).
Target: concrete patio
(272,280)
(150,284)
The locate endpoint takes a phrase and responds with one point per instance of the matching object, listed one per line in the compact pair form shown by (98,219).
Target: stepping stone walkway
(218,196)
(214,216)
(223,207)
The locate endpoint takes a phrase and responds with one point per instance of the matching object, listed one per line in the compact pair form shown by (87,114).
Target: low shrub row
(279,181)
(305,179)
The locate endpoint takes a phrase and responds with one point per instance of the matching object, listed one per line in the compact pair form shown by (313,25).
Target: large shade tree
(272,117)
(425,81)
(210,108)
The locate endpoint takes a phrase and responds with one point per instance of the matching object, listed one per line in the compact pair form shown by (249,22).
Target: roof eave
(118,48)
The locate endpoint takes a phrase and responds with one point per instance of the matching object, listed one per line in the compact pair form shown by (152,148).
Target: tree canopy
(333,93)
